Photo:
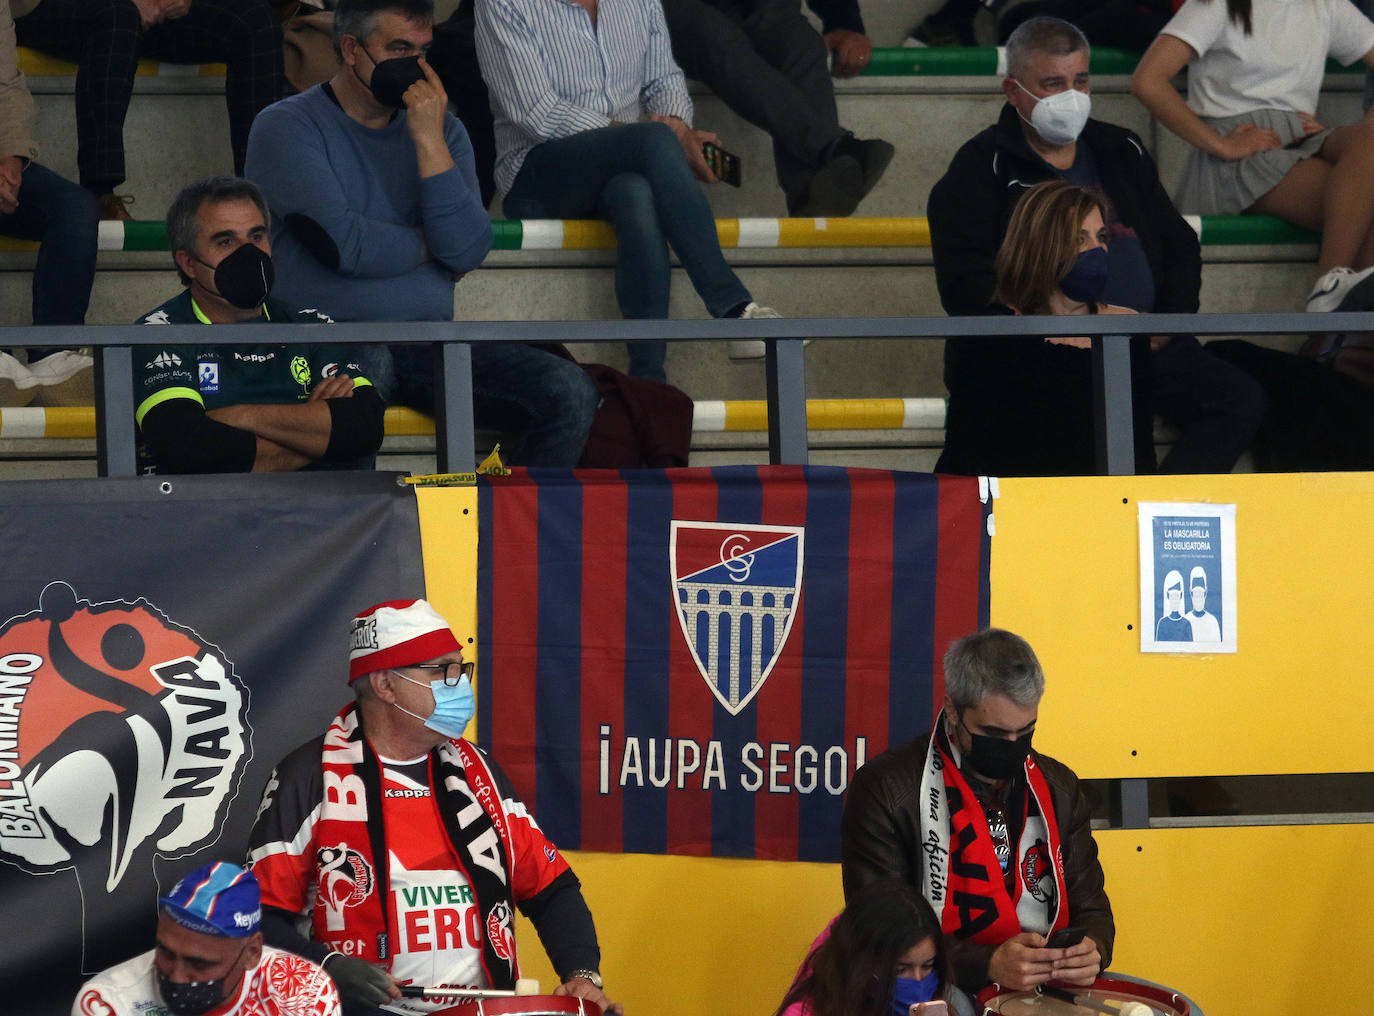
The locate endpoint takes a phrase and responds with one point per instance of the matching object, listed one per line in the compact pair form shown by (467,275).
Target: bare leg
(1333,193)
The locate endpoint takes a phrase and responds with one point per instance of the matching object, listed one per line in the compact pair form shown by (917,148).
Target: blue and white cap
(218,898)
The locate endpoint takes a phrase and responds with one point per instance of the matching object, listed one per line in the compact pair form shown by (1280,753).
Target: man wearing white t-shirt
(403,845)
(210,958)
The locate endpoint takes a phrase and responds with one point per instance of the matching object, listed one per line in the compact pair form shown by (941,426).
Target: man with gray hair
(996,835)
(209,408)
(1154,261)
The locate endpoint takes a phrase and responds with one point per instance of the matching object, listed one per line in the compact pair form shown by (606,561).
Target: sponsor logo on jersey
(500,933)
(1037,874)
(123,737)
(300,371)
(346,879)
(329,370)
(736,590)
(209,376)
(163,360)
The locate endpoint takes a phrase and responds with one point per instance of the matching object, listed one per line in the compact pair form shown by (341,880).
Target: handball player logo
(735,589)
(123,736)
(1037,873)
(346,879)
(500,934)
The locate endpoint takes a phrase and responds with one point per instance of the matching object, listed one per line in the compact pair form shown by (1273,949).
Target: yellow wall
(1262,920)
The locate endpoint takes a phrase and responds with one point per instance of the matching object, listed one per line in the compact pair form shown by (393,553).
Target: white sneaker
(1342,289)
(60,367)
(752,349)
(17,385)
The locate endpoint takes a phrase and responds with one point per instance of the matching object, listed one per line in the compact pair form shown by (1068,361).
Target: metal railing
(785,363)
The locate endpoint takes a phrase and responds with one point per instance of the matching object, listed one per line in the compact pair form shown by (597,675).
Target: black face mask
(245,277)
(391,78)
(995,757)
(194,997)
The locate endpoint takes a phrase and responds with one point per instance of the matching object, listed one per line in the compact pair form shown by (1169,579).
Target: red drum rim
(524,1005)
(1134,990)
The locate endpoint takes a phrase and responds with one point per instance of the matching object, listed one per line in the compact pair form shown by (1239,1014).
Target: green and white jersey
(218,376)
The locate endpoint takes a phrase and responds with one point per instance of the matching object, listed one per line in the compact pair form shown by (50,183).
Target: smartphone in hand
(929,1009)
(1065,937)
(724,164)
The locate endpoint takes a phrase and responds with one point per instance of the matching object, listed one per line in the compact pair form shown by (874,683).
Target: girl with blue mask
(878,957)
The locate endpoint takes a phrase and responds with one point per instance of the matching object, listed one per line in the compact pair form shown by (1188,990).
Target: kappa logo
(123,736)
(500,933)
(1037,873)
(736,591)
(346,879)
(163,361)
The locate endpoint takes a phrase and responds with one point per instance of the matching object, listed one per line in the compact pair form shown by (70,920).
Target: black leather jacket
(881,833)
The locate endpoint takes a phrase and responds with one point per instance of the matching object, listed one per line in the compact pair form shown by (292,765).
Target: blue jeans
(62,217)
(636,177)
(547,400)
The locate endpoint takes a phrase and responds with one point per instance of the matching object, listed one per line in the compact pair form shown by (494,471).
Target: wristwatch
(586,975)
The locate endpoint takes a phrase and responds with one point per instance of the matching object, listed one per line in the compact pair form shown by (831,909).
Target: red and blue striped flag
(695,661)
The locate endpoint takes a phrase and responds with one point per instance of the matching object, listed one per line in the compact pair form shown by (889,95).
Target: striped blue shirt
(552,74)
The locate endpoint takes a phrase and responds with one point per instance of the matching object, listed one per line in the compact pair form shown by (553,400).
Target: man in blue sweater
(376,213)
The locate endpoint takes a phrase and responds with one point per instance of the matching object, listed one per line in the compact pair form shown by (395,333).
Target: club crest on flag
(735,588)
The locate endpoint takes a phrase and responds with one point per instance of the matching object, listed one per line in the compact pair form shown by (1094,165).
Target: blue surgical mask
(907,991)
(453,706)
(1087,277)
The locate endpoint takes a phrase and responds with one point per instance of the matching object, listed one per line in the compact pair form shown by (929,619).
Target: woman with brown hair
(1022,406)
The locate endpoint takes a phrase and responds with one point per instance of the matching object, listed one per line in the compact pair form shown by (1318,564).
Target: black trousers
(105,39)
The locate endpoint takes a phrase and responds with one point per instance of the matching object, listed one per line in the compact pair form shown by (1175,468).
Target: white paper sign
(1187,578)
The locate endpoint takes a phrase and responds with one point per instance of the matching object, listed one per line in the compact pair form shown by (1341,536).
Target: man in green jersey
(209,408)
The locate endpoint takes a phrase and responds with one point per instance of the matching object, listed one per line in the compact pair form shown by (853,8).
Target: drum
(524,1005)
(1106,995)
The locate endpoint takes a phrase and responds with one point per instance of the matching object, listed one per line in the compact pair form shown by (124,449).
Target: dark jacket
(971,204)
(1023,407)
(881,836)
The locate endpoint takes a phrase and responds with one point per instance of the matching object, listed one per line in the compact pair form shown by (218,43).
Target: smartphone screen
(1065,937)
(724,164)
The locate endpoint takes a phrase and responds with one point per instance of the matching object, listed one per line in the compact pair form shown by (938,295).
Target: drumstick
(524,986)
(1124,1009)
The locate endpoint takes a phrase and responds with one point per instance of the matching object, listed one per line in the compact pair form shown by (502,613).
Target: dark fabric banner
(167,641)
(695,661)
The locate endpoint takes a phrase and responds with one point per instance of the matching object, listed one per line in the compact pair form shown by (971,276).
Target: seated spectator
(1024,406)
(766,62)
(209,957)
(567,90)
(1125,24)
(37,204)
(377,212)
(228,409)
(106,38)
(1154,261)
(882,954)
(1254,73)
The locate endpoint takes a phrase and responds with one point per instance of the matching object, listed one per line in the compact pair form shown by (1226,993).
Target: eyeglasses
(452,672)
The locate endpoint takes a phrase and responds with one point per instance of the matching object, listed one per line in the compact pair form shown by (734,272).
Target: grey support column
(455,443)
(786,372)
(115,443)
(1113,414)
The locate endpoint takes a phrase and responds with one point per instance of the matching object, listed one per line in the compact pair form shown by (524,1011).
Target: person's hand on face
(426,103)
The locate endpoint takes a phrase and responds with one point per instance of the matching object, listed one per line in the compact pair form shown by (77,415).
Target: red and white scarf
(354,895)
(960,874)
